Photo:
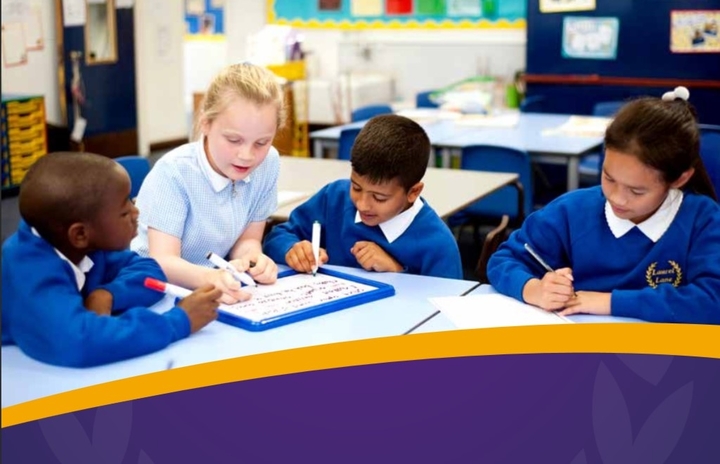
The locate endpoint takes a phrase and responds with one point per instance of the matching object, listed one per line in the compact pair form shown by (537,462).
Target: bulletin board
(398,14)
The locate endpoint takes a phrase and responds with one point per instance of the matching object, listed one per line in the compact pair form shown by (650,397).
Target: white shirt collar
(85,265)
(395,227)
(217,181)
(653,227)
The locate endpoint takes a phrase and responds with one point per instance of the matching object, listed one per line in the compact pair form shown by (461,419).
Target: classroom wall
(39,76)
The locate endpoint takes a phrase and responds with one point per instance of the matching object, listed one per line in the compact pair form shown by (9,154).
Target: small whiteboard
(295,297)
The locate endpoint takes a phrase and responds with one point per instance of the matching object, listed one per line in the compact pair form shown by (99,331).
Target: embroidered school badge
(671,275)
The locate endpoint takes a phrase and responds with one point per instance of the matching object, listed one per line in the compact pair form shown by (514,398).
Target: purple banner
(541,408)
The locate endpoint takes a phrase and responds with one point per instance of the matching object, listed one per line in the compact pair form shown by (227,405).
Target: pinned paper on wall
(194,7)
(34,37)
(329,5)
(13,43)
(694,31)
(14,11)
(464,8)
(74,13)
(366,7)
(590,37)
(555,6)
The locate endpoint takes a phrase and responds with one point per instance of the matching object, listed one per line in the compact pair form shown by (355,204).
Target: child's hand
(552,292)
(230,287)
(373,258)
(263,269)
(301,258)
(588,303)
(201,306)
(99,301)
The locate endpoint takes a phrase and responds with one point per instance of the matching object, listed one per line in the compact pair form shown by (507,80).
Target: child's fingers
(565,272)
(358,247)
(324,258)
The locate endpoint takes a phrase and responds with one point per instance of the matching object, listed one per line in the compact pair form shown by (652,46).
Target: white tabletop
(24,379)
(446,190)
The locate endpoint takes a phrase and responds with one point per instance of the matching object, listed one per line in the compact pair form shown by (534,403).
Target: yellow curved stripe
(663,339)
(362,24)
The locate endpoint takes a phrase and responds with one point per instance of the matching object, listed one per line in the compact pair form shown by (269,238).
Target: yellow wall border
(662,339)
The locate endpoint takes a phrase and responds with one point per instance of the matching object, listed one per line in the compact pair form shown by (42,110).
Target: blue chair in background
(347,139)
(591,165)
(137,168)
(710,153)
(514,201)
(422,100)
(367,112)
(533,104)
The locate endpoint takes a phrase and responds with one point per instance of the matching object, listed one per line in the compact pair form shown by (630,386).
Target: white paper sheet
(493,310)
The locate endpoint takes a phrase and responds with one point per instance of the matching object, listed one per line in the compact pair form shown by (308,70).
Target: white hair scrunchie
(680,92)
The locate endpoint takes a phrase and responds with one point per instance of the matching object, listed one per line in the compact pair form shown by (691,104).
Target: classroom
(515,101)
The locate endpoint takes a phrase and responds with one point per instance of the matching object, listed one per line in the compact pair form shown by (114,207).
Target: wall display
(694,31)
(590,37)
(554,6)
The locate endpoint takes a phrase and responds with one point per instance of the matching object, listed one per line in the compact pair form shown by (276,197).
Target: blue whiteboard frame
(382,290)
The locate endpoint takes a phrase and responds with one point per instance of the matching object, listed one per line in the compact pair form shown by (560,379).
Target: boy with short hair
(375,220)
(72,294)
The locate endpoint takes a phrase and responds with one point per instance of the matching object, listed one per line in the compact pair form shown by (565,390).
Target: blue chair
(505,201)
(591,165)
(533,104)
(710,153)
(422,100)
(347,139)
(137,168)
(367,112)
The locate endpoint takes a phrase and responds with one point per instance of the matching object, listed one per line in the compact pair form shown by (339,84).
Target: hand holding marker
(243,277)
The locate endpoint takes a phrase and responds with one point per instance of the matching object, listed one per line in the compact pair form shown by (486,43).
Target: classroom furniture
(440,322)
(137,168)
(493,240)
(24,379)
(591,165)
(710,153)
(369,111)
(24,136)
(422,100)
(446,190)
(493,158)
(533,104)
(347,139)
(295,132)
(449,138)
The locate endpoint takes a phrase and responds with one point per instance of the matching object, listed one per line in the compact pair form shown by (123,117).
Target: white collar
(218,182)
(395,227)
(653,227)
(85,265)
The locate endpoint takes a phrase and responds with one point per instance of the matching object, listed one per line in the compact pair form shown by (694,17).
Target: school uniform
(665,269)
(416,238)
(184,197)
(43,312)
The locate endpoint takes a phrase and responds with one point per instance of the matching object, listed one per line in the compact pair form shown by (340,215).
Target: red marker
(165,287)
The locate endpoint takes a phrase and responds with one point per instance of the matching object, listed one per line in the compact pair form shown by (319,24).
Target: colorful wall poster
(694,31)
(554,6)
(590,37)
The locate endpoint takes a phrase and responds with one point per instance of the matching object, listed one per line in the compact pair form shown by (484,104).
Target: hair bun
(680,92)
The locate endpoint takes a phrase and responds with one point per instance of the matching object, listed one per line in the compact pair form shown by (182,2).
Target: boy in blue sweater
(645,244)
(375,220)
(72,294)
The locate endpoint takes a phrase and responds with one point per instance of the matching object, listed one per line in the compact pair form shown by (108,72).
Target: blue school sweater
(43,312)
(427,247)
(676,279)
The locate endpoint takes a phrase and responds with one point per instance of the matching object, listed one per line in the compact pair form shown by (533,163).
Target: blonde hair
(244,80)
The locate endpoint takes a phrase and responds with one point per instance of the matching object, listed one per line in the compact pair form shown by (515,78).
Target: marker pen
(243,277)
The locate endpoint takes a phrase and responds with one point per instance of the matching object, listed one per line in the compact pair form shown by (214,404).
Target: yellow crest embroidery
(671,275)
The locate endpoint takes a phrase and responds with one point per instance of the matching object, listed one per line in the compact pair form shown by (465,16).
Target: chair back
(710,153)
(347,139)
(533,104)
(500,159)
(607,108)
(422,100)
(493,240)
(367,112)
(137,168)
